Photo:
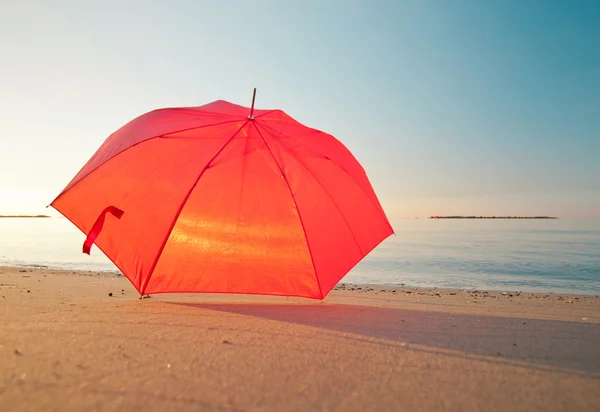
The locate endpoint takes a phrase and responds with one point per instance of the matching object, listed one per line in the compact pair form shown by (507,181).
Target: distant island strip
(24,216)
(493,217)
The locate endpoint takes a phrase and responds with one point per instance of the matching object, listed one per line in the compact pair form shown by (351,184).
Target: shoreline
(505,302)
(535,290)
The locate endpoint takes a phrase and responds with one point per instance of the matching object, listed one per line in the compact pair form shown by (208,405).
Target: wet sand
(65,344)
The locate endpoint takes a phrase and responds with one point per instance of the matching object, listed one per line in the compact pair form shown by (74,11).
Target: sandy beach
(66,344)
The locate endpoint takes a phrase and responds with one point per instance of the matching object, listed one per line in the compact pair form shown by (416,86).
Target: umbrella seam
(155,169)
(198,109)
(183,203)
(329,195)
(375,203)
(192,111)
(239,208)
(297,209)
(265,113)
(129,147)
(120,201)
(315,151)
(242,183)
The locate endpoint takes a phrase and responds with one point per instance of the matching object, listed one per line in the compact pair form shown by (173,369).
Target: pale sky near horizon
(452,107)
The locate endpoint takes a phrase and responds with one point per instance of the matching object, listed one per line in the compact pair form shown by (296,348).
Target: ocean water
(517,255)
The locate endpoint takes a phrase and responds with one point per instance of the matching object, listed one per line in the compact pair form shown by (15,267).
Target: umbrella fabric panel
(284,127)
(149,183)
(239,231)
(342,222)
(154,124)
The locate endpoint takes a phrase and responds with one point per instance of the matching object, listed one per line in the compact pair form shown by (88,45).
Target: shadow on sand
(560,346)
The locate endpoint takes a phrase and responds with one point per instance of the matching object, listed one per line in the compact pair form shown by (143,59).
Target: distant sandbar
(23,216)
(493,217)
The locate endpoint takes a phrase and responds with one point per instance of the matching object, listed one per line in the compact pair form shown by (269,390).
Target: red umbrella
(226,199)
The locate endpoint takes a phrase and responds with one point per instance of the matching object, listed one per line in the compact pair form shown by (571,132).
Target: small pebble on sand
(110,294)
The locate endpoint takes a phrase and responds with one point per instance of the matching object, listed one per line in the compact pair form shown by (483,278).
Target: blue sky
(451,106)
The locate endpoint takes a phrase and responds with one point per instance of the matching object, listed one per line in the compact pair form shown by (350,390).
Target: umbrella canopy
(222,198)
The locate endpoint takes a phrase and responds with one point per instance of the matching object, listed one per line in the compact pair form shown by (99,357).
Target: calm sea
(527,255)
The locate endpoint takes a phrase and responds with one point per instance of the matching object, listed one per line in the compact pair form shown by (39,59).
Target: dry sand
(66,345)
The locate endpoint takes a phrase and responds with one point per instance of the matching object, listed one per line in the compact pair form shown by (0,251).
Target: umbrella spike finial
(251,117)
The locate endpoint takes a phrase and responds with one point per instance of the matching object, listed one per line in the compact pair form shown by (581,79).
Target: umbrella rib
(165,161)
(134,145)
(265,113)
(297,209)
(378,207)
(183,203)
(330,197)
(239,209)
(192,111)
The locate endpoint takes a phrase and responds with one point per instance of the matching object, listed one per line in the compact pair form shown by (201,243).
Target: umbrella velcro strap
(97,228)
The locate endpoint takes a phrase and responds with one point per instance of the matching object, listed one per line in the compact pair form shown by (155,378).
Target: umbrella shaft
(252,108)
